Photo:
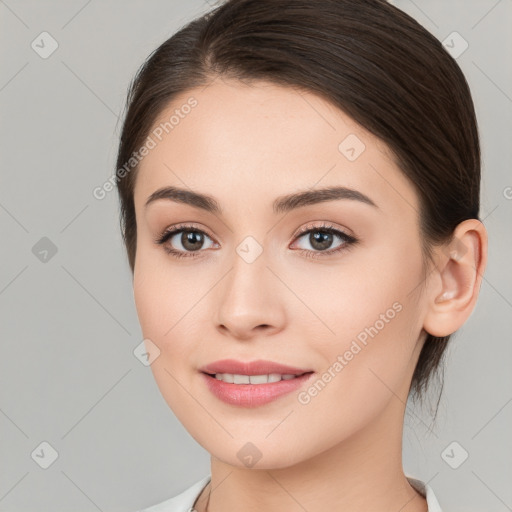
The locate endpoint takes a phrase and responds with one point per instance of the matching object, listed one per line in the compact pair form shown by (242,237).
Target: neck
(364,472)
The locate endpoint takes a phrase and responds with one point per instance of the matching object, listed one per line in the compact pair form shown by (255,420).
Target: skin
(245,145)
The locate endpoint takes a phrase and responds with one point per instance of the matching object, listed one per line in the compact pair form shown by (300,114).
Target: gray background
(68,375)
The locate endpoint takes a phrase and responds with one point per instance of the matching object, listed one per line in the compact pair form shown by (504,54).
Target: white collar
(184,502)
(427,492)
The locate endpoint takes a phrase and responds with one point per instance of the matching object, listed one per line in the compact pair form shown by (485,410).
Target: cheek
(367,366)
(368,291)
(369,319)
(149,302)
(170,303)
(162,295)
(161,310)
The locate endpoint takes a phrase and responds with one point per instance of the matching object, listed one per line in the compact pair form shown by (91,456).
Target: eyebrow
(281,205)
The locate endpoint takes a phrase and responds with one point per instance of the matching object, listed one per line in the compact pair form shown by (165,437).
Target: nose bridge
(248,295)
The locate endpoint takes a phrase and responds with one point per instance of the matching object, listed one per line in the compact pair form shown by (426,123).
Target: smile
(253,390)
(232,378)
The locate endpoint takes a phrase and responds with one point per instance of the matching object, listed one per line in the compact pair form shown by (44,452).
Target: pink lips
(252,395)
(259,367)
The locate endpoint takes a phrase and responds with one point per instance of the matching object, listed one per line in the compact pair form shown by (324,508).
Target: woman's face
(262,278)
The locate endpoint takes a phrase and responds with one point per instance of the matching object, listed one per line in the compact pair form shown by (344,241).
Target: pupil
(320,239)
(192,240)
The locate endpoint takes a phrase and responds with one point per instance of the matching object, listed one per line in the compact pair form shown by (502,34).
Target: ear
(455,286)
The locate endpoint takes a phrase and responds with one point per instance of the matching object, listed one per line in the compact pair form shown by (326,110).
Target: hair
(367,58)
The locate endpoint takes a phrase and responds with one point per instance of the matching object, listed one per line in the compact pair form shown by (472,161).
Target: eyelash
(349,240)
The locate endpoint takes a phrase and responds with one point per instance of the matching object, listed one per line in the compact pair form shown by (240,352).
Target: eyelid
(183,226)
(349,239)
(301,231)
(323,226)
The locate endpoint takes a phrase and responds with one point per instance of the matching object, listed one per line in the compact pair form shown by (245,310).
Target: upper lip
(259,367)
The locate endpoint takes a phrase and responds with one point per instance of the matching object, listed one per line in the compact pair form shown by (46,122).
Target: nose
(249,301)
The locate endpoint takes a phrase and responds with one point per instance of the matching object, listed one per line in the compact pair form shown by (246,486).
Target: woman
(299,187)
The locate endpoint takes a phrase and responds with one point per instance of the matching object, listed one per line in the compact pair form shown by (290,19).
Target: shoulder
(427,492)
(182,502)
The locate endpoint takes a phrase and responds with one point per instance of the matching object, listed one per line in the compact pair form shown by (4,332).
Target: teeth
(241,379)
(258,379)
(252,379)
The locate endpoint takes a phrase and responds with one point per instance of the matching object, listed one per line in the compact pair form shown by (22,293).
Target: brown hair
(369,59)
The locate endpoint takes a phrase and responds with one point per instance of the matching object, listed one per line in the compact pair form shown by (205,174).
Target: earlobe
(459,277)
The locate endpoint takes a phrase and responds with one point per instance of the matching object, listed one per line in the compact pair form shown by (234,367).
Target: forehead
(264,140)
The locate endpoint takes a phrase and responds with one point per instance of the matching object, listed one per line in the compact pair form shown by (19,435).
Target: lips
(268,381)
(259,367)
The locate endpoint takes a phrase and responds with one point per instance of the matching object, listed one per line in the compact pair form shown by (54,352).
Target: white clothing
(184,502)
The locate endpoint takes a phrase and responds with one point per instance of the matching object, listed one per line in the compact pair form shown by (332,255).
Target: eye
(187,241)
(183,241)
(321,240)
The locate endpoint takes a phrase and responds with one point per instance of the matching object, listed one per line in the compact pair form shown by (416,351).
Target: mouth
(243,379)
(259,368)
(253,390)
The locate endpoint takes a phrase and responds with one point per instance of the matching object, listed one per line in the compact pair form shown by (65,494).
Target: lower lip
(253,395)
